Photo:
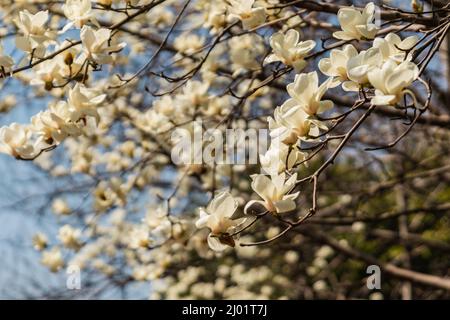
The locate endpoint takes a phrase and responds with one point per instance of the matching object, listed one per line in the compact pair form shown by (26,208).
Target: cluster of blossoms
(383,72)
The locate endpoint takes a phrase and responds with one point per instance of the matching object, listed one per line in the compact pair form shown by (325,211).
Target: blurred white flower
(243,10)
(60,207)
(291,123)
(275,192)
(336,65)
(356,24)
(289,50)
(307,93)
(48,74)
(96,44)
(393,47)
(279,158)
(139,237)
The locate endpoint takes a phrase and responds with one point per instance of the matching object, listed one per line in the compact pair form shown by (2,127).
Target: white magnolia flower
(34,31)
(106,3)
(6,62)
(61,207)
(15,140)
(358,68)
(275,192)
(279,158)
(307,93)
(250,17)
(356,24)
(53,259)
(70,237)
(391,80)
(216,18)
(83,102)
(289,50)
(291,123)
(78,12)
(336,65)
(96,44)
(217,217)
(393,47)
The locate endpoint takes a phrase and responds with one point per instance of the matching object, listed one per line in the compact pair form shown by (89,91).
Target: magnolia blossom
(15,141)
(6,62)
(70,237)
(356,24)
(289,50)
(291,123)
(48,74)
(217,217)
(40,241)
(280,157)
(55,124)
(96,46)
(250,17)
(215,16)
(391,80)
(336,65)
(53,259)
(358,68)
(307,93)
(78,12)
(393,47)
(34,31)
(244,52)
(275,192)
(61,207)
